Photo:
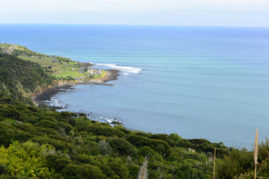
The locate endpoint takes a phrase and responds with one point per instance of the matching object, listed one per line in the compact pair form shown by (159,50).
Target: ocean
(198,82)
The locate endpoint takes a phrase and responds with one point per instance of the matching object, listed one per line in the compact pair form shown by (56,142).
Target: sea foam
(125,69)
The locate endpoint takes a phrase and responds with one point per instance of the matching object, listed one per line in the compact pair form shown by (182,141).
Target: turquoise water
(199,82)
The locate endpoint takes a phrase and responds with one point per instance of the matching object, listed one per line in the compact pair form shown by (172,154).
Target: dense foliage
(20,78)
(66,145)
(43,143)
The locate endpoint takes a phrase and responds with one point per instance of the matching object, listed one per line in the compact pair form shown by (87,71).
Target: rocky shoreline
(42,95)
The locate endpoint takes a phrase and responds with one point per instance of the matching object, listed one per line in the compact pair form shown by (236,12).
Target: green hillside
(20,78)
(44,143)
(60,67)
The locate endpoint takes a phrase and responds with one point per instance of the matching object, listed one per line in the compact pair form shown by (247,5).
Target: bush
(156,144)
(57,162)
(86,171)
(104,147)
(120,170)
(175,138)
(25,159)
(8,134)
(235,163)
(101,129)
(122,146)
(146,151)
(58,144)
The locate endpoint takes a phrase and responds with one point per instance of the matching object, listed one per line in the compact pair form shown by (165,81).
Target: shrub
(57,162)
(25,159)
(9,133)
(146,151)
(156,144)
(101,129)
(86,171)
(122,146)
(175,138)
(58,144)
(120,170)
(104,147)
(235,163)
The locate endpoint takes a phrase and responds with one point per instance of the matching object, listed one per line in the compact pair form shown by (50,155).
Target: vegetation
(20,78)
(60,67)
(44,143)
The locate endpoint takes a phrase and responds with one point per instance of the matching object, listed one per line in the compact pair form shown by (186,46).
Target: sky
(253,13)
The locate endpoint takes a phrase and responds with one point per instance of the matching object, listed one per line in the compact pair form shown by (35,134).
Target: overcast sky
(137,12)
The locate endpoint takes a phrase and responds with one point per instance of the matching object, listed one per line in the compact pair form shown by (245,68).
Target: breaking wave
(124,69)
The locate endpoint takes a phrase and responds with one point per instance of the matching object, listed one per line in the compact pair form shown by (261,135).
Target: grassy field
(101,75)
(60,67)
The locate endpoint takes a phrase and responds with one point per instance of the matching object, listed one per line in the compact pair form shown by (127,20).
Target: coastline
(38,97)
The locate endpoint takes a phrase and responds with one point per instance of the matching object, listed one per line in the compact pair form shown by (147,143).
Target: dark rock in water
(82,115)
(57,107)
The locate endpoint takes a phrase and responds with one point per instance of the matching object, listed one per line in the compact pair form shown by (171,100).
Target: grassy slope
(62,68)
(44,143)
